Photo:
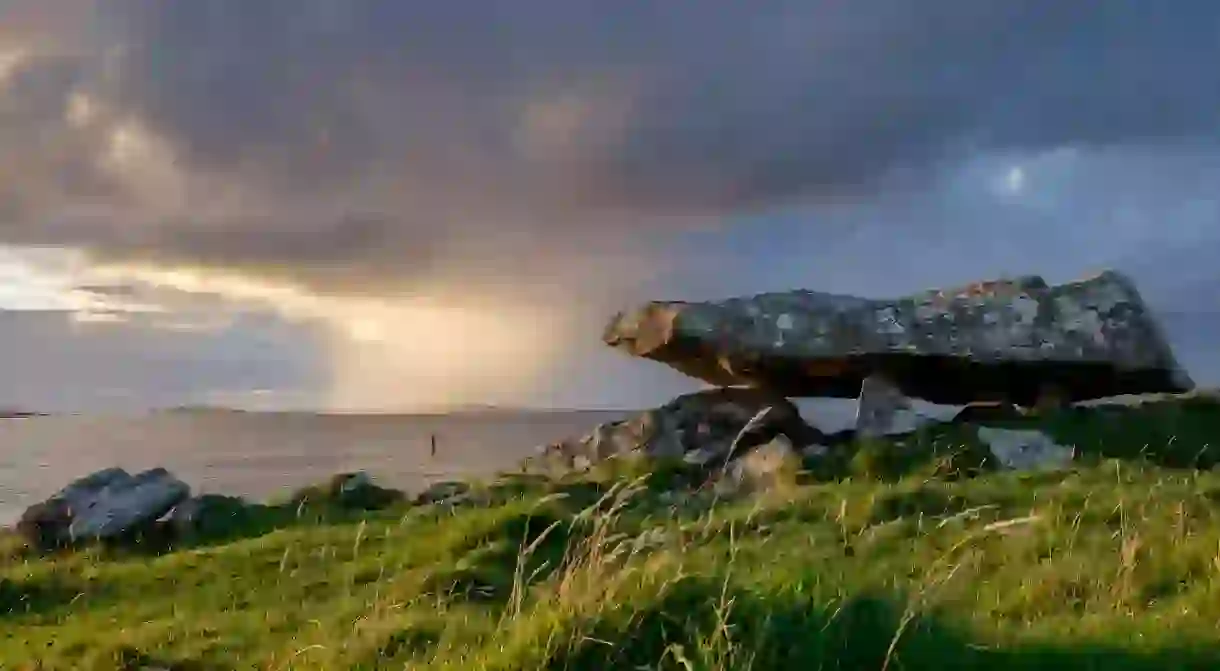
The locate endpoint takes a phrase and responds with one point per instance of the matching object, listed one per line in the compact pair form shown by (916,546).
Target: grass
(926,560)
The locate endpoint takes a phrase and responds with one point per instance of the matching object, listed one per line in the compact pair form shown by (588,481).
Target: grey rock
(762,468)
(1001,340)
(443,492)
(699,428)
(209,512)
(878,406)
(815,451)
(84,489)
(187,515)
(1026,450)
(104,504)
(343,483)
(350,491)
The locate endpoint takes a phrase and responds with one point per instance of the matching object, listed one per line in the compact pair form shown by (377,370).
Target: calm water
(259,455)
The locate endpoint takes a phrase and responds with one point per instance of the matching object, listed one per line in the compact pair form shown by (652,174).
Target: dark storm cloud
(727,101)
(392,133)
(39,161)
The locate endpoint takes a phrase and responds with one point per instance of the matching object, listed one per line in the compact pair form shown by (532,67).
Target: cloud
(549,160)
(386,353)
(72,339)
(45,280)
(55,363)
(415,127)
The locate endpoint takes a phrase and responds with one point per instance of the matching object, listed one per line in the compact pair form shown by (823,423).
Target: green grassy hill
(911,556)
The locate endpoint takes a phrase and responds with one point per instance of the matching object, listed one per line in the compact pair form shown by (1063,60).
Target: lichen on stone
(774,338)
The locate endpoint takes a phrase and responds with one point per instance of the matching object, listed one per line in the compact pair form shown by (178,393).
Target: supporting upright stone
(878,405)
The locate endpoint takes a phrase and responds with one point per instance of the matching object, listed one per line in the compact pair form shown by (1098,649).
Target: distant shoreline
(476,411)
(220,410)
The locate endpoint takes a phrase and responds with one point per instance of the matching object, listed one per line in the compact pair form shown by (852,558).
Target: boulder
(208,514)
(879,403)
(105,504)
(762,468)
(446,492)
(700,428)
(1012,340)
(351,491)
(1026,450)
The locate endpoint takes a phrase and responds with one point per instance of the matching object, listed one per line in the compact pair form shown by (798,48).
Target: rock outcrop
(762,468)
(354,491)
(105,504)
(1012,340)
(1026,450)
(699,428)
(446,492)
(209,513)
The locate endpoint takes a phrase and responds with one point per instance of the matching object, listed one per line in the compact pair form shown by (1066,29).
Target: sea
(260,455)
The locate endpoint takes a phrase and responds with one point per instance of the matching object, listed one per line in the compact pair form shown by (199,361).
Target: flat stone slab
(999,340)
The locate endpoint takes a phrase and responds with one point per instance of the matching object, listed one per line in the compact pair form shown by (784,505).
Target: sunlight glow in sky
(49,280)
(1014,181)
(10,59)
(397,351)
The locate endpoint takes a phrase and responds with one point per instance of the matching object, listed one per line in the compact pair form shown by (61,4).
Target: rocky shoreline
(735,442)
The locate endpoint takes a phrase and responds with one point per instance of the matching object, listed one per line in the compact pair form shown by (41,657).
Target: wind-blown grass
(928,561)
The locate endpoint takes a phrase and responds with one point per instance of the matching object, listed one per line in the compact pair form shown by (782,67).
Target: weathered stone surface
(105,504)
(761,468)
(698,427)
(344,483)
(208,513)
(354,491)
(974,413)
(878,406)
(444,492)
(1002,340)
(1026,449)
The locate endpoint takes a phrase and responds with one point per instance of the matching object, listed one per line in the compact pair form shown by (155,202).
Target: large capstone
(1012,340)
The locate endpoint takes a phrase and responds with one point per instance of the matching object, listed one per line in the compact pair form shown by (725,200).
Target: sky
(364,205)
